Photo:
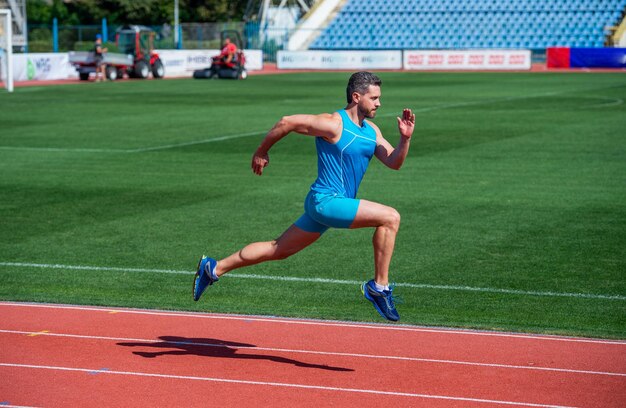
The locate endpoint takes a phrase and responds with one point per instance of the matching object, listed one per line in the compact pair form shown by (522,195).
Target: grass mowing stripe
(322,280)
(418,110)
(613,102)
(240,135)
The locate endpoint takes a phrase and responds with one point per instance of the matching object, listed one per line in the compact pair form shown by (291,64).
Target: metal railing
(62,38)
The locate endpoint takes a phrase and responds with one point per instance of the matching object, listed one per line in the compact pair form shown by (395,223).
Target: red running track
(61,356)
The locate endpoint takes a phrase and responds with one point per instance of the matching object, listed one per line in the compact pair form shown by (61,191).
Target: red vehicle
(138,41)
(235,70)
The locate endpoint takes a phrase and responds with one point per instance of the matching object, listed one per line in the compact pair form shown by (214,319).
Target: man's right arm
(327,126)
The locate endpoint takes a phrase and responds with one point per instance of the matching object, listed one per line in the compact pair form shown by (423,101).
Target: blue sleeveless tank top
(341,166)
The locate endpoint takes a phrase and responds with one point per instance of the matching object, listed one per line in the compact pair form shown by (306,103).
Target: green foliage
(119,12)
(38,11)
(511,198)
(40,34)
(40,40)
(89,46)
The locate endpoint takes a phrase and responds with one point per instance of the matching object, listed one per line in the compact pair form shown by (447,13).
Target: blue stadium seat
(401,24)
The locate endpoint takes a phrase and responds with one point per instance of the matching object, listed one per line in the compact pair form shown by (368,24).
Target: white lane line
(175,343)
(138,150)
(277,384)
(61,149)
(312,322)
(322,280)
(195,142)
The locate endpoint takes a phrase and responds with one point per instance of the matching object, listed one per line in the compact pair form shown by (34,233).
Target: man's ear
(356,97)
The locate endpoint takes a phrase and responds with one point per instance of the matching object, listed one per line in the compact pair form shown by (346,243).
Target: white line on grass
(314,322)
(323,353)
(138,150)
(277,384)
(62,149)
(323,281)
(195,142)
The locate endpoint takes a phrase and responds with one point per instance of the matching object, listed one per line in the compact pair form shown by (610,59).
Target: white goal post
(6,49)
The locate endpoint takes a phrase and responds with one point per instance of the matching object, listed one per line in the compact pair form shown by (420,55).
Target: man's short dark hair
(360,82)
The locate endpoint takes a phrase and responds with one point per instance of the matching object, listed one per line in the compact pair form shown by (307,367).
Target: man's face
(369,102)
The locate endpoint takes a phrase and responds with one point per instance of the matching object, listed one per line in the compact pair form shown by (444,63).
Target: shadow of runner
(181,346)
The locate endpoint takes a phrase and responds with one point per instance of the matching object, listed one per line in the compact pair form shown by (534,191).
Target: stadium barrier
(467,60)
(407,59)
(182,63)
(178,63)
(328,60)
(46,66)
(564,57)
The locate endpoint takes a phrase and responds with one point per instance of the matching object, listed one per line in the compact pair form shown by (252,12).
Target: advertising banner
(339,60)
(557,57)
(467,60)
(180,63)
(565,57)
(42,66)
(597,57)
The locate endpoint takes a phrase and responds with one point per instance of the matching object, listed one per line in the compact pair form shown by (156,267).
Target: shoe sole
(196,279)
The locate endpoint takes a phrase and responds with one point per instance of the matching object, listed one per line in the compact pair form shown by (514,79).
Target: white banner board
(467,60)
(339,59)
(179,63)
(42,66)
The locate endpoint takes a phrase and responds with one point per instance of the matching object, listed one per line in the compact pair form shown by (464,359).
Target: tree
(147,12)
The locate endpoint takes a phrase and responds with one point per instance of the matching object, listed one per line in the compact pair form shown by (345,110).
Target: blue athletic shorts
(322,211)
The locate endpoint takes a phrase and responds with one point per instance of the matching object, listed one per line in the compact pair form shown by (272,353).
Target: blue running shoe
(382,301)
(205,276)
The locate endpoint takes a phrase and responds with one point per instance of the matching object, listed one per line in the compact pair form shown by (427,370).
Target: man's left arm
(387,154)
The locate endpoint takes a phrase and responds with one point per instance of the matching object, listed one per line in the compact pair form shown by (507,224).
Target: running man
(346,141)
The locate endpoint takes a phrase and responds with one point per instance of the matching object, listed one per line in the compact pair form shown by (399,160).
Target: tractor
(138,41)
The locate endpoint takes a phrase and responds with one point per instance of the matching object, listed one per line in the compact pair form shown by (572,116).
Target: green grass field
(513,198)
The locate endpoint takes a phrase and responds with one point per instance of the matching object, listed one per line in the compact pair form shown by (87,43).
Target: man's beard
(368,113)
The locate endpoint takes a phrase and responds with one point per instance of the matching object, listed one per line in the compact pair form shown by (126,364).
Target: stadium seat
(398,24)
